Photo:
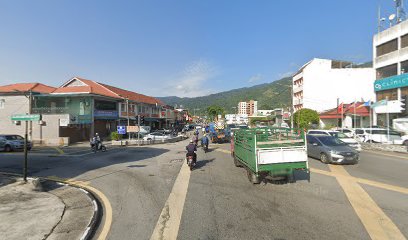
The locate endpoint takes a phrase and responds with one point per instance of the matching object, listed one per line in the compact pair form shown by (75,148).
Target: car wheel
(324,158)
(8,148)
(405,143)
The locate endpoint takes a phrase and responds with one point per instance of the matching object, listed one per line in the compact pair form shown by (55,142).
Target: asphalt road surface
(154,196)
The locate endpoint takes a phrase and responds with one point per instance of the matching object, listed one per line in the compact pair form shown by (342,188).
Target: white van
(378,135)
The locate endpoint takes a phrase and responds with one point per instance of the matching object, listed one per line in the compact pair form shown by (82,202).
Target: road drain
(176,160)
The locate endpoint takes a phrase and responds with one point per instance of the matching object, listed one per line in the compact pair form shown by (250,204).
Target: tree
(214,110)
(305,117)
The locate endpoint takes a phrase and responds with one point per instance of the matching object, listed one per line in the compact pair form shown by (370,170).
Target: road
(152,193)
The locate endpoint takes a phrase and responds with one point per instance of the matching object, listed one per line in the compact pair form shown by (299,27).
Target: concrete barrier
(146,142)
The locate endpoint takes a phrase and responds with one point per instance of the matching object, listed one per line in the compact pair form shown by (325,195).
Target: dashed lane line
(375,221)
(167,226)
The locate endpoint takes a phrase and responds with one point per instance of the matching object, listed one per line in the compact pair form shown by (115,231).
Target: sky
(179,48)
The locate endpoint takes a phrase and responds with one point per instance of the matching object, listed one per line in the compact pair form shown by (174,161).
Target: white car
(378,135)
(348,132)
(342,136)
(157,136)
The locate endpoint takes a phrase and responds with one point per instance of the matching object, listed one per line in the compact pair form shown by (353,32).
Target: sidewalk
(384,147)
(42,210)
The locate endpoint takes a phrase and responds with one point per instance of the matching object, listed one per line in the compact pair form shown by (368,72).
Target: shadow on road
(67,168)
(202,163)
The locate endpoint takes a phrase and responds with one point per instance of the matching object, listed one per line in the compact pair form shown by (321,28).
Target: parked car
(349,132)
(378,135)
(330,149)
(2,143)
(342,136)
(157,136)
(14,142)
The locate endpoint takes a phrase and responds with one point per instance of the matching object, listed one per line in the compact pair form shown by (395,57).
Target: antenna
(380,20)
(400,13)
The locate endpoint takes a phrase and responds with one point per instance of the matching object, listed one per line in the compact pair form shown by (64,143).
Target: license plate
(349,158)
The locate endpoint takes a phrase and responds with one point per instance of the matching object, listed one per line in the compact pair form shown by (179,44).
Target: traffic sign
(26,117)
(121,129)
(132,129)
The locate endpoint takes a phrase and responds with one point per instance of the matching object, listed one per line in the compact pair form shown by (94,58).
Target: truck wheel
(324,158)
(252,177)
(236,162)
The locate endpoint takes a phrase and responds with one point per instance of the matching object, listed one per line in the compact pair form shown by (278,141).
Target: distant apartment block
(319,83)
(250,107)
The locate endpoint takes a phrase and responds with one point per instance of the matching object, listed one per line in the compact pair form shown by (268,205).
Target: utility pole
(30,97)
(138,133)
(127,114)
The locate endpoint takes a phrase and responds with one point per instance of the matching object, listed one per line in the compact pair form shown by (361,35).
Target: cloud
(255,78)
(193,80)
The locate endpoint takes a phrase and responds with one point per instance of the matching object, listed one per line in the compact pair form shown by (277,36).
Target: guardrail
(127,142)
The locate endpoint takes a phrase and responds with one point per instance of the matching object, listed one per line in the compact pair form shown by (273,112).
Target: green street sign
(26,117)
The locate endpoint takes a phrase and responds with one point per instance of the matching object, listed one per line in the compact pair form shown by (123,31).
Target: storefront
(391,94)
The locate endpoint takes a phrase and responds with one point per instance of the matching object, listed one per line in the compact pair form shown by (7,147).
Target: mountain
(269,95)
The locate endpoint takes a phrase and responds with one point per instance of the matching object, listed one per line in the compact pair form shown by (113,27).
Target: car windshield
(338,135)
(243,127)
(331,141)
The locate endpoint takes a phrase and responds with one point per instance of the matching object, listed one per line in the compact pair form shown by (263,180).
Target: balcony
(297,101)
(297,89)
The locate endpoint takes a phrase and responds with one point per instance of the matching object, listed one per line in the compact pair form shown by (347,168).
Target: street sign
(26,117)
(121,129)
(132,129)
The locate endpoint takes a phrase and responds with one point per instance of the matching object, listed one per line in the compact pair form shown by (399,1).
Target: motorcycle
(94,148)
(205,147)
(190,162)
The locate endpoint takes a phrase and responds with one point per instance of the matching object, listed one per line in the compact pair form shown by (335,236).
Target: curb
(97,215)
(96,218)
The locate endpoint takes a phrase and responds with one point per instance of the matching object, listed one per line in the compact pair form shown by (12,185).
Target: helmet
(96,134)
(191,141)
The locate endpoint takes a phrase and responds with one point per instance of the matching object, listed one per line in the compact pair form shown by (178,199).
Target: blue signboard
(391,82)
(121,129)
(106,113)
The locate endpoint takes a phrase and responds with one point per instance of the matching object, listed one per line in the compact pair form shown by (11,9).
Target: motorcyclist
(96,140)
(205,141)
(191,149)
(195,139)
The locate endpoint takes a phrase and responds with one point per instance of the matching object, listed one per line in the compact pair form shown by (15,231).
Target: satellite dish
(391,17)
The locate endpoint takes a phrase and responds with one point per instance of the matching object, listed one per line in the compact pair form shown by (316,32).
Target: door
(2,143)
(311,146)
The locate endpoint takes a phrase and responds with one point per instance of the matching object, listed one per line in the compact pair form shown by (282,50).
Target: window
(391,94)
(387,71)
(404,41)
(359,131)
(2,103)
(387,47)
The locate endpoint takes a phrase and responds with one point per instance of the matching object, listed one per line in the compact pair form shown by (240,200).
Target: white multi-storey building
(321,83)
(390,61)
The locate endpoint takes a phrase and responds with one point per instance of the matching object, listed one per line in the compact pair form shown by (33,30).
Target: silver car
(14,142)
(330,149)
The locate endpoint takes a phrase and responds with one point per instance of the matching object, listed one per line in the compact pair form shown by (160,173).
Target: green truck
(273,153)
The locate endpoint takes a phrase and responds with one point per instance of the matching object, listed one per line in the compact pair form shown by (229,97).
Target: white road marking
(167,226)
